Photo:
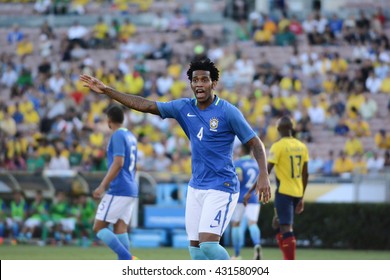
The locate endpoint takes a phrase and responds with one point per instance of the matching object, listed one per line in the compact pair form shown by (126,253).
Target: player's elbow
(118,163)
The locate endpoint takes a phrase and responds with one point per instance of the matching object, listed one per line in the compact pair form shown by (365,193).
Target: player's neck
(115,127)
(286,135)
(207,103)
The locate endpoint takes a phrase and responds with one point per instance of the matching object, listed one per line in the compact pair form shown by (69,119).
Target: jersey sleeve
(239,125)
(118,144)
(273,156)
(170,109)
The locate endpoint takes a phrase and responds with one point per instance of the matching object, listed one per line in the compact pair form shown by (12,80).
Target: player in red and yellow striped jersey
(290,158)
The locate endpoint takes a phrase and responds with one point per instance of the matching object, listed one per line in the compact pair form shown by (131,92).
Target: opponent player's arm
(305,176)
(270,166)
(133,101)
(114,170)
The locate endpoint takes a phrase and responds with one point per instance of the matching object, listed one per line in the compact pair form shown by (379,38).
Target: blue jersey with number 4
(211,132)
(123,144)
(249,170)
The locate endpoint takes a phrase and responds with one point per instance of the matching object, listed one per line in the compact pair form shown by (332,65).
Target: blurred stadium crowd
(331,73)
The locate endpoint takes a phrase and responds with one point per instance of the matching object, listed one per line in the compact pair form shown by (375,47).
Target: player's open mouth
(200,93)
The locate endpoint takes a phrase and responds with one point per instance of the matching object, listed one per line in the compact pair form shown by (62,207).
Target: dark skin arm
(305,178)
(131,101)
(263,184)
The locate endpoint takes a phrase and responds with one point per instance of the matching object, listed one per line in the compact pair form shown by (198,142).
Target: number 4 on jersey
(200,134)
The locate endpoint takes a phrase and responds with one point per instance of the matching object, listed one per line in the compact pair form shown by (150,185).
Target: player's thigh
(252,212)
(238,213)
(217,211)
(284,205)
(194,203)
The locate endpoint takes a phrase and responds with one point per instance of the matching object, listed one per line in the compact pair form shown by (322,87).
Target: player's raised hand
(92,83)
(263,188)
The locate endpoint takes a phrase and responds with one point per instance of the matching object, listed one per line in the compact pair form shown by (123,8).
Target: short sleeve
(168,109)
(118,144)
(239,125)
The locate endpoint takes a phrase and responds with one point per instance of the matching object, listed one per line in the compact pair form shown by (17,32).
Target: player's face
(202,86)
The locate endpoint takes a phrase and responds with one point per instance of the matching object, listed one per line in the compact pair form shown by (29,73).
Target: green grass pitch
(32,252)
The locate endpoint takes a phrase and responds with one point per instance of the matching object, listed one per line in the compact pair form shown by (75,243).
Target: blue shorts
(285,208)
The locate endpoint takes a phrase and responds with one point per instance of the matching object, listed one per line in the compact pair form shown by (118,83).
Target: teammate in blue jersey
(118,190)
(211,125)
(248,204)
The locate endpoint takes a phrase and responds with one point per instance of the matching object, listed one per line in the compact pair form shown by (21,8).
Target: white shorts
(32,223)
(113,208)
(252,211)
(208,211)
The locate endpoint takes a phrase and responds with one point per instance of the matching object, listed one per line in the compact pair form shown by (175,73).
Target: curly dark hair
(204,64)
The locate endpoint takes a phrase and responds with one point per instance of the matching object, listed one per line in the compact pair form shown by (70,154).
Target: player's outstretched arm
(132,101)
(263,183)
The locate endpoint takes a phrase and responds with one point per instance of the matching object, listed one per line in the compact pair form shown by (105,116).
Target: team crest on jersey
(213,124)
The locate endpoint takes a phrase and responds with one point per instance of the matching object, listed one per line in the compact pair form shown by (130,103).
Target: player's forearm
(132,101)
(258,150)
(111,175)
(305,179)
(305,176)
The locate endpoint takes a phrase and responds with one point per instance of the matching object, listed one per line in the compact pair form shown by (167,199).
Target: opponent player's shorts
(112,208)
(208,211)
(251,211)
(285,208)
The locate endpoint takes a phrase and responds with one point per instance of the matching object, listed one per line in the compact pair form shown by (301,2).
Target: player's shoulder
(278,142)
(121,131)
(299,142)
(185,101)
(225,104)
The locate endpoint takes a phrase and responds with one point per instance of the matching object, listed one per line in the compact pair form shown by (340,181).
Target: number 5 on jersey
(132,158)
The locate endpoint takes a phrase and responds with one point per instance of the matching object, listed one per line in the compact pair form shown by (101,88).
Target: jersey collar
(215,102)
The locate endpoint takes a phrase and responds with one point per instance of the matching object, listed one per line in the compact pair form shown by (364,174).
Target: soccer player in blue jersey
(211,125)
(118,190)
(248,204)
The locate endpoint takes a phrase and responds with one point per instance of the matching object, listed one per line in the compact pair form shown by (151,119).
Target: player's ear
(213,84)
